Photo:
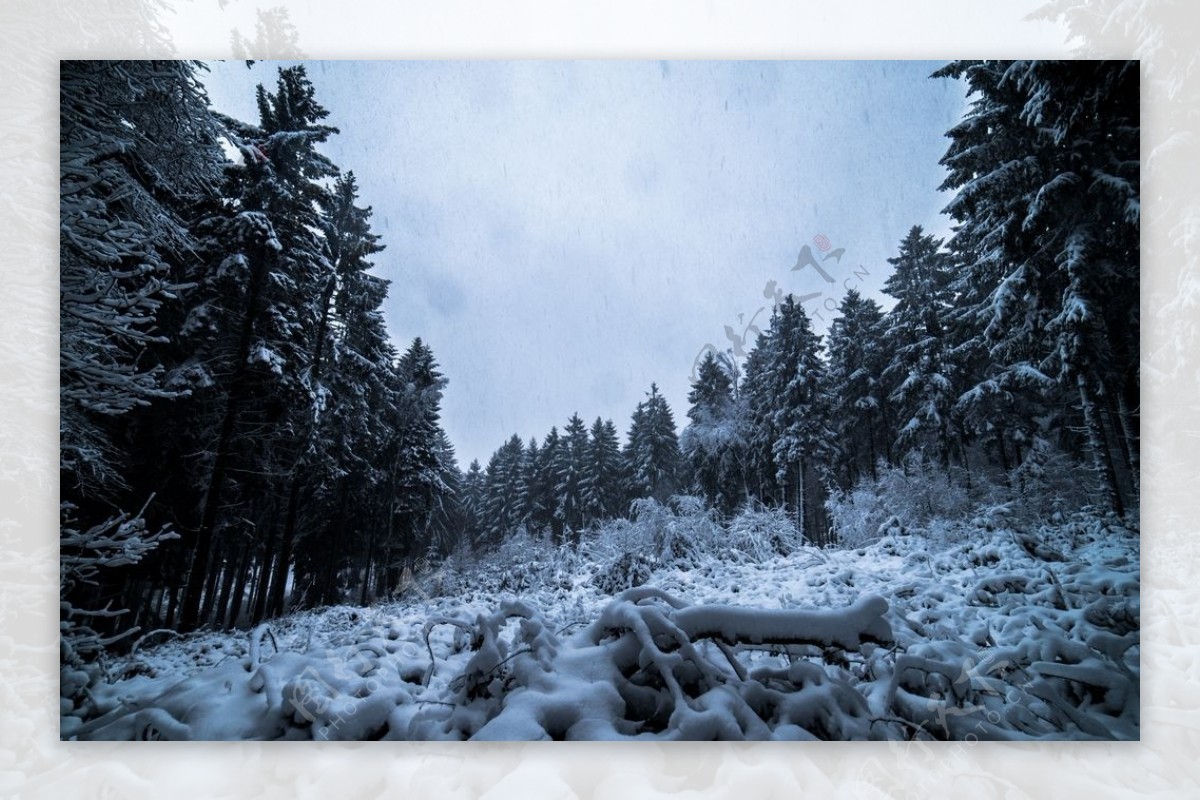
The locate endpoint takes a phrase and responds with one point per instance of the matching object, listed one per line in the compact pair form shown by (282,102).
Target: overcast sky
(565,233)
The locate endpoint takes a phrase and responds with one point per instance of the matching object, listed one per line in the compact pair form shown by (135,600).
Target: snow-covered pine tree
(920,375)
(1046,166)
(416,456)
(713,443)
(652,450)
(349,378)
(471,503)
(137,150)
(502,491)
(443,533)
(529,492)
(542,500)
(756,406)
(138,153)
(603,480)
(253,321)
(788,407)
(1006,403)
(998,323)
(569,471)
(859,409)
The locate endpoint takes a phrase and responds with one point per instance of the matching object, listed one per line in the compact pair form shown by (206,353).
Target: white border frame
(35,34)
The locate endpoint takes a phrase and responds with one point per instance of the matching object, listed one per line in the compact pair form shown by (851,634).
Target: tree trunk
(216,483)
(800,507)
(283,562)
(966,463)
(328,592)
(200,553)
(255,588)
(155,606)
(313,426)
(1101,456)
(874,456)
(382,573)
(366,578)
(1113,434)
(232,570)
(172,606)
(1003,452)
(1130,438)
(264,580)
(333,537)
(208,603)
(239,597)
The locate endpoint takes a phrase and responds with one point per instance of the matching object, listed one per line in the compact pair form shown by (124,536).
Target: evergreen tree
(858,353)
(530,490)
(270,262)
(472,501)
(349,375)
(602,481)
(1046,165)
(652,450)
(445,525)
(502,490)
(920,375)
(713,443)
(569,469)
(543,501)
(759,419)
(418,452)
(137,152)
(790,438)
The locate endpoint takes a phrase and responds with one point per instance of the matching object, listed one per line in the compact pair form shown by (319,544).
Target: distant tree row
(572,480)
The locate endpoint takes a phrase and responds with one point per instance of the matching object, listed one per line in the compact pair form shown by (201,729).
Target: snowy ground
(999,635)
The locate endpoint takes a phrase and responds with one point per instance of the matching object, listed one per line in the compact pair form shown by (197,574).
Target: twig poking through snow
(138,642)
(256,638)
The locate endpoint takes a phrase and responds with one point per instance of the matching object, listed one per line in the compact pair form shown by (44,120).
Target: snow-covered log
(843,628)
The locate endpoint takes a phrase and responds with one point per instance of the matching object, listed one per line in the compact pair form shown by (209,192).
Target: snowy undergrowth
(1005,634)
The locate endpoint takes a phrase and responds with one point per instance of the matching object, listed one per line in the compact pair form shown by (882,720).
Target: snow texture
(1004,635)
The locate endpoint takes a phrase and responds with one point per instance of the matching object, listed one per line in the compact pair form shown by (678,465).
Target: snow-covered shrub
(522,561)
(435,575)
(679,531)
(919,491)
(629,570)
(1051,483)
(652,522)
(761,532)
(916,494)
(856,516)
(682,532)
(120,541)
(612,539)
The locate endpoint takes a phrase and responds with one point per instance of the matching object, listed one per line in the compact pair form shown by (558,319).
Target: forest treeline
(239,436)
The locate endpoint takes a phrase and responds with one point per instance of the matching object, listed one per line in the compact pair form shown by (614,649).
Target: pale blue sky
(565,233)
